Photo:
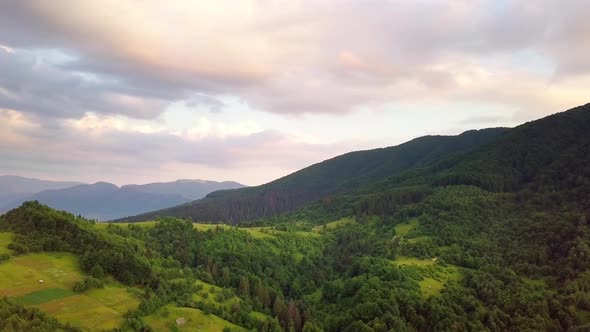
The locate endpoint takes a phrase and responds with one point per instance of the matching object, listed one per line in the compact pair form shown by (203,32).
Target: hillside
(105,201)
(340,174)
(86,276)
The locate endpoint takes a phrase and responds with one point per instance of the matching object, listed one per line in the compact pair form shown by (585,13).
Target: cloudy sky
(251,90)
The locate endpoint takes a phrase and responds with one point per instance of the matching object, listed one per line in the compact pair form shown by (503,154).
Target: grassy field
(256,232)
(434,276)
(5,239)
(333,224)
(44,295)
(165,320)
(94,310)
(209,294)
(433,285)
(405,228)
(404,260)
(20,275)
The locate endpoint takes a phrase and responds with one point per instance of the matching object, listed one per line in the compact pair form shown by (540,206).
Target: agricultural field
(164,319)
(45,281)
(22,275)
(94,310)
(404,260)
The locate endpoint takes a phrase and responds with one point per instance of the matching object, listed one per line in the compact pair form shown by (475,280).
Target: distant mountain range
(13,188)
(105,201)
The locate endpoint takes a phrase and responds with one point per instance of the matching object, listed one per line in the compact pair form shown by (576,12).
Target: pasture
(164,319)
(93,310)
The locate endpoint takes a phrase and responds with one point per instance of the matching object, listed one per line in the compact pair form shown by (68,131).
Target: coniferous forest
(485,231)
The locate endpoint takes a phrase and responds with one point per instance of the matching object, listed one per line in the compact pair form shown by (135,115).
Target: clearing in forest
(45,281)
(164,319)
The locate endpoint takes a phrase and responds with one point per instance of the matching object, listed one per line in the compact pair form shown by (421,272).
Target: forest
(494,237)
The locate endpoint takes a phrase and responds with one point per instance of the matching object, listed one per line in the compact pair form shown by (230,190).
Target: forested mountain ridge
(340,174)
(546,154)
(552,153)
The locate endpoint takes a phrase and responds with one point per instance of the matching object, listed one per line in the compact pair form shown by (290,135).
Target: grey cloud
(123,150)
(30,84)
(405,38)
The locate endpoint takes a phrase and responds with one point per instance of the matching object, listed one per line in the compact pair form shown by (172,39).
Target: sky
(141,91)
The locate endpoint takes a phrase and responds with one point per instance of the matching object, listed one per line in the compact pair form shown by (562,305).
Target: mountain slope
(549,153)
(13,188)
(193,189)
(343,173)
(103,200)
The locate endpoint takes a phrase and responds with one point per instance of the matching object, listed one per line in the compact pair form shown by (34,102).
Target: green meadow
(164,319)
(404,228)
(45,281)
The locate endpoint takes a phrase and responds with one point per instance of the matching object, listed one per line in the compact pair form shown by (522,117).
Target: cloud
(93,145)
(292,57)
(31,82)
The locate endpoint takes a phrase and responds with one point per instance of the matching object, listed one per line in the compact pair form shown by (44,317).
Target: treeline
(340,175)
(40,228)
(16,318)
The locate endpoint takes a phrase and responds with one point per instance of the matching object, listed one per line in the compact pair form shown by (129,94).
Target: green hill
(340,174)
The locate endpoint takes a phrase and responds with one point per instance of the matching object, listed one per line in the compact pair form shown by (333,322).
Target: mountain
(340,174)
(105,201)
(13,188)
(194,189)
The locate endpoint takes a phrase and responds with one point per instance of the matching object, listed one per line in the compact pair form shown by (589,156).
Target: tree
(244,287)
(225,275)
(97,272)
